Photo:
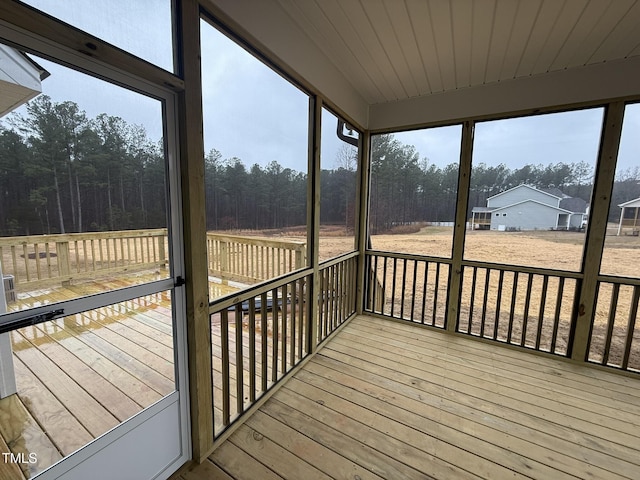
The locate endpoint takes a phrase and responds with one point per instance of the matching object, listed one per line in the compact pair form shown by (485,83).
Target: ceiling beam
(583,85)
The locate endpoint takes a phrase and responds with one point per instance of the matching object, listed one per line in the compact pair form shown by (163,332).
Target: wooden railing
(615,334)
(337,298)
(260,334)
(39,260)
(531,308)
(257,336)
(252,259)
(527,307)
(409,287)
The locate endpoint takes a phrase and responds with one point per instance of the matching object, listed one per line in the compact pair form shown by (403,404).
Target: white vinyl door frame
(157,441)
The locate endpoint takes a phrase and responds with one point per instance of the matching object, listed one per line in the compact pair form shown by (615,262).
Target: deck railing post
(300,257)
(64,267)
(224,259)
(363,272)
(162,252)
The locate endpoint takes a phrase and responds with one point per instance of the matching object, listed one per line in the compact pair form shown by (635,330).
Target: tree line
(61,171)
(408,189)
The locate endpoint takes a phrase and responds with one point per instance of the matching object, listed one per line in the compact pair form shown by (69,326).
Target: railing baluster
(631,325)
(384,285)
(294,314)
(373,283)
(485,300)
(424,292)
(25,255)
(436,290)
(36,250)
(514,294)
(48,255)
(472,297)
(393,284)
(496,324)
(14,262)
(252,349)
(525,313)
(303,299)
(321,303)
(285,329)
(263,340)
(413,289)
(558,312)
(543,299)
(107,242)
(239,361)
(611,321)
(224,343)
(403,288)
(274,335)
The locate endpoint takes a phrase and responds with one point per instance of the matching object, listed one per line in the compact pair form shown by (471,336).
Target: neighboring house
(629,216)
(529,208)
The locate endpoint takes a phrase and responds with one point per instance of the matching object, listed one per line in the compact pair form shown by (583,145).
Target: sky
(252,113)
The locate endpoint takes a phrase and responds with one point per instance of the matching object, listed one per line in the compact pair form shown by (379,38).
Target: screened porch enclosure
(352,313)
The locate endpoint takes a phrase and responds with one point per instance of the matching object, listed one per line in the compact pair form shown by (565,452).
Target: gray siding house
(529,208)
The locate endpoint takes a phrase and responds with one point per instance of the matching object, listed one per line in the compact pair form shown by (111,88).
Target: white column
(620,223)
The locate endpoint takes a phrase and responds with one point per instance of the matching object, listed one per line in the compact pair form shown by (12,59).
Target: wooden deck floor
(388,400)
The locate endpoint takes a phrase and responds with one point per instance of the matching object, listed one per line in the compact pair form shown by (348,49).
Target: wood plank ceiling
(397,49)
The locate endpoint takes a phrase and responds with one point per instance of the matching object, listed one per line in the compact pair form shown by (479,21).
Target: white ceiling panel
(394,50)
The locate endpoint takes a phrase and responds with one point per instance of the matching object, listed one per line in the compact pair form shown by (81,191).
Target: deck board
(64,430)
(405,402)
(23,436)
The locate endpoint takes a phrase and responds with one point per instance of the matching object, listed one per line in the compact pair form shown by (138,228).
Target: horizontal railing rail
(407,286)
(39,260)
(252,259)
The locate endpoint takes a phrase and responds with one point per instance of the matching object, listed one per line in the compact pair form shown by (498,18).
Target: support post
(596,230)
(362,214)
(313,218)
(195,232)
(459,229)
